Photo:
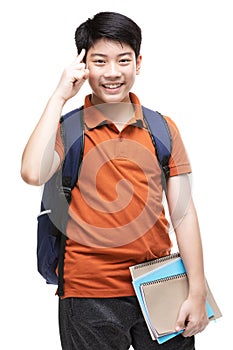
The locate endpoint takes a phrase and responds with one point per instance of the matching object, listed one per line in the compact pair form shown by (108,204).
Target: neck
(117,112)
(120,112)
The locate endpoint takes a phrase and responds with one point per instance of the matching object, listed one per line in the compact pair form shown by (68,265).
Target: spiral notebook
(161,286)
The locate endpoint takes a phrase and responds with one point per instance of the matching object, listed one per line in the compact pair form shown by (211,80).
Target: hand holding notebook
(161,286)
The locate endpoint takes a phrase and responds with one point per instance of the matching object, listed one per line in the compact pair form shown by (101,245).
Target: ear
(138,64)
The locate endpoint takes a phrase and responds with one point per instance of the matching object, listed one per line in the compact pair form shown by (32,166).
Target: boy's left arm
(192,316)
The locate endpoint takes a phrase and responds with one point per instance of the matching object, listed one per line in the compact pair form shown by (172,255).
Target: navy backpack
(52,220)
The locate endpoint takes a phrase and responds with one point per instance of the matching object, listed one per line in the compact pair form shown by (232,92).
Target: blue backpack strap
(161,138)
(72,132)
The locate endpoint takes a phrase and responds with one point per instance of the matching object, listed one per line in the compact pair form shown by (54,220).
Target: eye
(99,61)
(125,61)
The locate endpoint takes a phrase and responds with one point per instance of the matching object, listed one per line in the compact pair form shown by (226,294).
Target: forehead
(109,48)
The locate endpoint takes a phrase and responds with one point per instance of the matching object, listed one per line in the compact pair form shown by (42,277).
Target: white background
(186,74)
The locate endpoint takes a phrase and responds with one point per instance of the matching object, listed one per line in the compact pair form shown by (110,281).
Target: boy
(116,216)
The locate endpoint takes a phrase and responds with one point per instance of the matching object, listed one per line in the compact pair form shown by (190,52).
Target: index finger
(81,55)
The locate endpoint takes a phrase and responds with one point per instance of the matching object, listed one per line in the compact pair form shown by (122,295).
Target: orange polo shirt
(116,215)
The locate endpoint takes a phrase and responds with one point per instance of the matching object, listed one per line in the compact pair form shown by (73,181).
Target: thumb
(181,321)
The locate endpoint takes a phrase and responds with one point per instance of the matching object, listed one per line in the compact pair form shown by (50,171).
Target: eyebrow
(103,55)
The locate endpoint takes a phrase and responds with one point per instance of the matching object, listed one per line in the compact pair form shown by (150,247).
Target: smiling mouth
(112,86)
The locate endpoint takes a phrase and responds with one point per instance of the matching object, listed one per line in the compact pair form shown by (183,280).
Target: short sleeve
(179,162)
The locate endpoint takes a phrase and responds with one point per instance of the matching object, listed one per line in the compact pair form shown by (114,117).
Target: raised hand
(72,78)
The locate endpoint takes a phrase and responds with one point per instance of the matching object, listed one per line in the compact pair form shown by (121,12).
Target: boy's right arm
(40,160)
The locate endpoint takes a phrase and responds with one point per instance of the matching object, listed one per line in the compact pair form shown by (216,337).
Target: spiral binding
(155,261)
(165,279)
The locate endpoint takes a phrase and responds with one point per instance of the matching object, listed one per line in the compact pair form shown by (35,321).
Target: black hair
(109,25)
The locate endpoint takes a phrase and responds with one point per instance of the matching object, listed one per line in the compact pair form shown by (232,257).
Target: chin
(115,99)
(111,98)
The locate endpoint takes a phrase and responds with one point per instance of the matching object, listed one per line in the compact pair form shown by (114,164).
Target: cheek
(131,77)
(94,73)
(93,82)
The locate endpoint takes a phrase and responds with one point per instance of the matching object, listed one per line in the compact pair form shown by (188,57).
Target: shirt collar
(94,118)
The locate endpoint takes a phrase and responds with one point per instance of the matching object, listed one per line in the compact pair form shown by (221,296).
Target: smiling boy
(116,216)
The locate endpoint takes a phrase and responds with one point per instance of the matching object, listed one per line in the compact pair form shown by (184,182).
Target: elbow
(30,177)
(33,173)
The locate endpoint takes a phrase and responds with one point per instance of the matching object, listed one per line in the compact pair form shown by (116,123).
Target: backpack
(56,197)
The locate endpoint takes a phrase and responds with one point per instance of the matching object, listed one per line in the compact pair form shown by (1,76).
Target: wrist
(198,292)
(58,99)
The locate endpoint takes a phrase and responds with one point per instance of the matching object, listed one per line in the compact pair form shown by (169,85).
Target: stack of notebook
(161,286)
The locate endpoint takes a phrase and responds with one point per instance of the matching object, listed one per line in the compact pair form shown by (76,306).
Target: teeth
(112,86)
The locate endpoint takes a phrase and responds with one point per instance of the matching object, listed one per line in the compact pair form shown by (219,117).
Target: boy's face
(113,69)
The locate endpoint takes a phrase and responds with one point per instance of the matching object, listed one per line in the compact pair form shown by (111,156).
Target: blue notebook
(145,279)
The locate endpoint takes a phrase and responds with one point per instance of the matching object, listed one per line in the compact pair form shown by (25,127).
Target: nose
(112,71)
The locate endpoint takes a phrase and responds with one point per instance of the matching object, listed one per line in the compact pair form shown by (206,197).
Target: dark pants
(109,324)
